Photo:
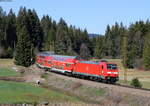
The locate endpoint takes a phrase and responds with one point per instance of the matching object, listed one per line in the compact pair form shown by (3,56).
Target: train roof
(46,53)
(63,57)
(57,57)
(90,62)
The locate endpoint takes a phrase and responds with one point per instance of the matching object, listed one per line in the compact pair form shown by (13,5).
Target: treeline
(131,44)
(24,34)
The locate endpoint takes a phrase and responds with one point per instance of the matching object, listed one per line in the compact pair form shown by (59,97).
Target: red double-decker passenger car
(73,65)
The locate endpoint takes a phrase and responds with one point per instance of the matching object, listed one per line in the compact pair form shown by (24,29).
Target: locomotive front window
(111,66)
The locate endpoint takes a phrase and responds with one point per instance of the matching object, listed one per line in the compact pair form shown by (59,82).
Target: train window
(102,67)
(111,66)
(41,63)
(42,57)
(49,62)
(68,65)
(61,67)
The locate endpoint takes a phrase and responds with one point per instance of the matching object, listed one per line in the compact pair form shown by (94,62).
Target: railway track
(117,88)
(127,86)
(92,81)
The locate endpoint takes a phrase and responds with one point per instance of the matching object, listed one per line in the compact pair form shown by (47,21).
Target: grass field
(5,72)
(14,92)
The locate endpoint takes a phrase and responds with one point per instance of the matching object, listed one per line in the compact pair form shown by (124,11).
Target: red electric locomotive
(102,71)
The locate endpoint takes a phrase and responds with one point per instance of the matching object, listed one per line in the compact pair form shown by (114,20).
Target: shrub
(45,76)
(6,53)
(136,83)
(9,52)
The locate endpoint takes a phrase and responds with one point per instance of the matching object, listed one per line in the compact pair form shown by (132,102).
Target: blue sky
(94,15)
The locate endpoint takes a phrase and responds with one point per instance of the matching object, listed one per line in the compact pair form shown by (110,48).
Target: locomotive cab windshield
(111,66)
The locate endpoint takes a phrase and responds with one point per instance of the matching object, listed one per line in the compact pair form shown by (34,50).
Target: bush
(136,83)
(9,52)
(6,53)
(45,76)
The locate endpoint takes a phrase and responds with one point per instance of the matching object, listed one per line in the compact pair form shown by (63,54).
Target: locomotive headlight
(115,72)
(102,71)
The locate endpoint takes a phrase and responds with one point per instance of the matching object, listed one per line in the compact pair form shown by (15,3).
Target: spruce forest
(24,34)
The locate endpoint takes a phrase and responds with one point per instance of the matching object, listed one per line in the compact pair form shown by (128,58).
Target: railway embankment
(89,91)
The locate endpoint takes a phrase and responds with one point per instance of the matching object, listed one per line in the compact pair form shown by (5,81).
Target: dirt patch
(33,78)
(30,74)
(16,79)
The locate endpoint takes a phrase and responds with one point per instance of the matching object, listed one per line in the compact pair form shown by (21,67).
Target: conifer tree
(49,28)
(11,37)
(84,52)
(35,29)
(23,48)
(124,51)
(124,57)
(62,37)
(98,50)
(2,31)
(146,53)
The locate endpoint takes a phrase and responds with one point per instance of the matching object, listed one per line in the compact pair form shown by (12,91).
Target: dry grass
(6,62)
(76,85)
